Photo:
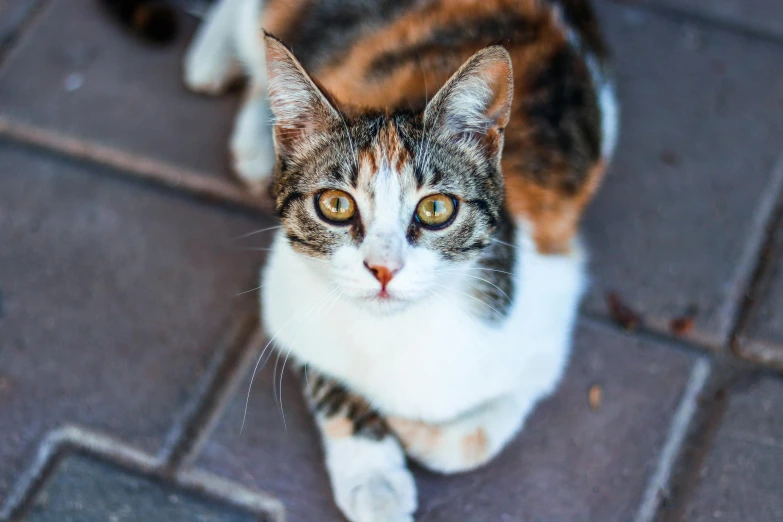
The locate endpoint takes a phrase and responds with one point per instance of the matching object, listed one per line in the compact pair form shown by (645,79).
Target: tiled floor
(121,384)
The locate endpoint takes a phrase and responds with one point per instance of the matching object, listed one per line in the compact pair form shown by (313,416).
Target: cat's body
(426,287)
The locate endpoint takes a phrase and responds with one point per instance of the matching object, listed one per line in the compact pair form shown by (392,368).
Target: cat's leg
(252,146)
(365,462)
(467,442)
(211,62)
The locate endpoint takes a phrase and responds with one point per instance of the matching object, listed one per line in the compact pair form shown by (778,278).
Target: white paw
(370,480)
(205,73)
(378,496)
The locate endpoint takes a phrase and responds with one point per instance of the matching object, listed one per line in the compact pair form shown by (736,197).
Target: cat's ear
(476,99)
(301,109)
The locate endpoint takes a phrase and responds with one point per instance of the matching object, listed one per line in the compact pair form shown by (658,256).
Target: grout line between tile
(674,441)
(140,167)
(200,415)
(750,268)
(53,444)
(91,443)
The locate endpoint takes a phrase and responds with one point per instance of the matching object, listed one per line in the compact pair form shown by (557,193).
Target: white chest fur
(435,359)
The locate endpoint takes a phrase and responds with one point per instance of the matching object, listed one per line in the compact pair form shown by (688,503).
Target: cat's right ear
(301,110)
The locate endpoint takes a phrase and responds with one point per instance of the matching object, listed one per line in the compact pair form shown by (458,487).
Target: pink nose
(381,273)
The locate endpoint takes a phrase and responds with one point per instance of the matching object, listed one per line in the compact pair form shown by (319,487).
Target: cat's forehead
(386,160)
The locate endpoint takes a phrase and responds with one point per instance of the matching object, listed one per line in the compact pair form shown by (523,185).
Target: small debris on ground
(669,157)
(621,313)
(594,395)
(683,324)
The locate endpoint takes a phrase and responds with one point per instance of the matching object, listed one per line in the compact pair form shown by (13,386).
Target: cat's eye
(336,205)
(435,211)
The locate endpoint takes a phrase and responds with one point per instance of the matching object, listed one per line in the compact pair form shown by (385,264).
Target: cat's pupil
(437,209)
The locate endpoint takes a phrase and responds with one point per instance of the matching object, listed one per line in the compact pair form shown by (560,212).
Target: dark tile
(680,217)
(569,464)
(114,298)
(78,72)
(762,337)
(13,14)
(741,476)
(86,490)
(760,15)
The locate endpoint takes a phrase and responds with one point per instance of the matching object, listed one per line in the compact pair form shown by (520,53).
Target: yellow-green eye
(435,210)
(336,205)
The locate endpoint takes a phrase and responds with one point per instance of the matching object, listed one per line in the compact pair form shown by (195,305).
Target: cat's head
(396,204)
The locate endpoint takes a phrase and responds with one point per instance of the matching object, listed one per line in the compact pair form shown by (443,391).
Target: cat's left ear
(301,109)
(477,98)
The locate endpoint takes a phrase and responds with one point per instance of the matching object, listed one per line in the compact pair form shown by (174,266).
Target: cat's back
(397,53)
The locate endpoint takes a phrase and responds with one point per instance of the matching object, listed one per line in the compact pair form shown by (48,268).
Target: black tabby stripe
(331,399)
(503,27)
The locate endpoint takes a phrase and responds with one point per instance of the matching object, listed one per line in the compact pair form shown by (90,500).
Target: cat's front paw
(370,480)
(378,496)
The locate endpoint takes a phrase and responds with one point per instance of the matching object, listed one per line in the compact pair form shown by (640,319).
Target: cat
(429,161)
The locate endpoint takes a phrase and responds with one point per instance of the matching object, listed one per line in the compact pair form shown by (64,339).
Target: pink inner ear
(478,97)
(499,108)
(301,110)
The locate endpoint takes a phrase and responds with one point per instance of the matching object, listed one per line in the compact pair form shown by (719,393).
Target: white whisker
(503,243)
(471,297)
(248,291)
(461,270)
(261,356)
(489,283)
(243,236)
(288,353)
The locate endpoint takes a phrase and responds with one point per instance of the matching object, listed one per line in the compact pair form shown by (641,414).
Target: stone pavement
(127,338)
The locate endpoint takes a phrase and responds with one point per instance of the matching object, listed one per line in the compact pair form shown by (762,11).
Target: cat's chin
(382,304)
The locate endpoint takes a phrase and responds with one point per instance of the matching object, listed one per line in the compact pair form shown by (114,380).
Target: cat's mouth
(383,297)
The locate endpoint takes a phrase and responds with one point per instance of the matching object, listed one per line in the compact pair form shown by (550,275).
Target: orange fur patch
(553,215)
(338,427)
(475,447)
(416,436)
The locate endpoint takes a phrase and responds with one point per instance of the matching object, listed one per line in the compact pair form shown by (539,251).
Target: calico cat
(429,161)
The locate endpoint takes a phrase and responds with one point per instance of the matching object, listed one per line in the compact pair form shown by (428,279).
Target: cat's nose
(382,273)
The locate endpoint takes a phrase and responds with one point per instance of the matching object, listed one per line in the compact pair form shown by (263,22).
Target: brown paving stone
(112,298)
(679,219)
(570,463)
(761,15)
(741,476)
(75,71)
(762,338)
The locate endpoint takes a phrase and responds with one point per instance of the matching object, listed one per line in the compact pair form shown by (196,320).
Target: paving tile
(680,217)
(741,476)
(570,464)
(87,490)
(762,338)
(761,15)
(77,72)
(113,297)
(13,13)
